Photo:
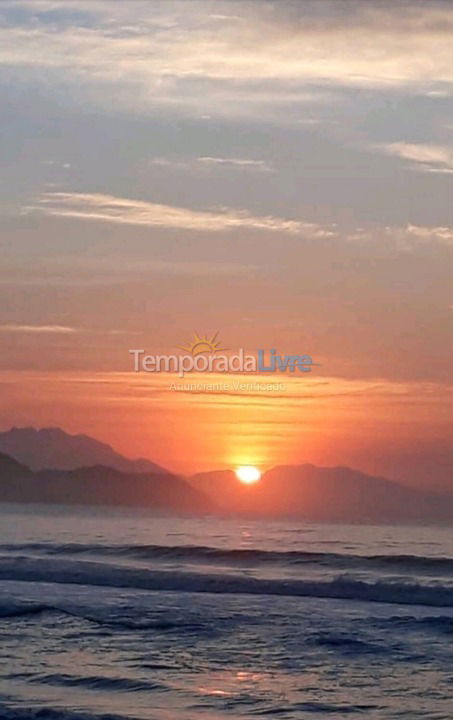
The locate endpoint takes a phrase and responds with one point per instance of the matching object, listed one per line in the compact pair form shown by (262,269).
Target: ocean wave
(346,644)
(40,713)
(9,712)
(11,609)
(317,707)
(442,624)
(96,682)
(239,557)
(343,587)
(19,609)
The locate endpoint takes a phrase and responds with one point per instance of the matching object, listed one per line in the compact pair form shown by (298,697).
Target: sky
(279,172)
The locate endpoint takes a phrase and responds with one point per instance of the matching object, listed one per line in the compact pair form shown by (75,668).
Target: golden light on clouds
(126,211)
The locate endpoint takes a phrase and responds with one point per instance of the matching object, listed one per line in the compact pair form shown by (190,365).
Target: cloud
(99,207)
(213,162)
(107,208)
(427,158)
(275,55)
(242,163)
(59,330)
(57,163)
(402,238)
(51,329)
(164,162)
(442,234)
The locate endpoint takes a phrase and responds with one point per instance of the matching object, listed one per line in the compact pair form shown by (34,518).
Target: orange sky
(324,420)
(280,175)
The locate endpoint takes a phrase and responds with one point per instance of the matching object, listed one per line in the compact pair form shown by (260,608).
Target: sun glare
(248,474)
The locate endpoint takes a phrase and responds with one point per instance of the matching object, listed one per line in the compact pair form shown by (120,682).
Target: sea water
(119,614)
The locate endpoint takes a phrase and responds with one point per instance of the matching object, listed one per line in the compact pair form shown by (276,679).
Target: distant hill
(324,494)
(302,492)
(14,478)
(99,486)
(54,448)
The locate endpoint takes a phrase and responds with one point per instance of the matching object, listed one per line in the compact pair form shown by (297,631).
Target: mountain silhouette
(323,494)
(99,485)
(303,492)
(54,448)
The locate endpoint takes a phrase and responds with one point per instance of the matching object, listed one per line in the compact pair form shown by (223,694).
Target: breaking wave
(342,587)
(240,557)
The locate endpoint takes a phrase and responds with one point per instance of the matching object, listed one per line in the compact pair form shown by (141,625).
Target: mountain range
(56,473)
(323,494)
(99,485)
(56,449)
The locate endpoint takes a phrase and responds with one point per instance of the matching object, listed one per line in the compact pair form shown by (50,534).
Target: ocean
(112,614)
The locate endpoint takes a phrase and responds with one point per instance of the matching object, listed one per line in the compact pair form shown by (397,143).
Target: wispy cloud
(403,238)
(425,157)
(48,329)
(211,162)
(166,162)
(107,208)
(59,330)
(241,163)
(443,234)
(161,54)
(98,207)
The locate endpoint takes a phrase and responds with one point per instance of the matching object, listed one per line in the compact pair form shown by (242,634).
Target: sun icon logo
(202,344)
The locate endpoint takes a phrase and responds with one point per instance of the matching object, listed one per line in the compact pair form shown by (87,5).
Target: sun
(248,474)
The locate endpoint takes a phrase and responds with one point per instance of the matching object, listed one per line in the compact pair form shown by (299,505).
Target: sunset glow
(271,193)
(226,378)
